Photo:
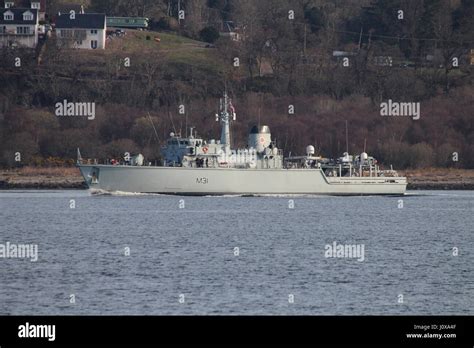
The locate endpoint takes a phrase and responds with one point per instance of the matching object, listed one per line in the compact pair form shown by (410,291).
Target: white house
(19,27)
(39,5)
(81,30)
(231,31)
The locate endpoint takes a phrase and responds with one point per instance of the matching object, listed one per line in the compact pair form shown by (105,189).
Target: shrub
(421,155)
(209,34)
(166,23)
(444,155)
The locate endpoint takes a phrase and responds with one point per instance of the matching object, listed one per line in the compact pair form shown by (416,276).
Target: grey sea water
(191,251)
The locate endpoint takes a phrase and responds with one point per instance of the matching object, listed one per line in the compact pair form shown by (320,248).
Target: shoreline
(81,186)
(29,178)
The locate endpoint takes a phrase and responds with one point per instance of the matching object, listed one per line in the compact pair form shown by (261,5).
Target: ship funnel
(260,138)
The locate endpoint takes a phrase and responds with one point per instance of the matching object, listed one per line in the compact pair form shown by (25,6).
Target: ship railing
(95,161)
(87,161)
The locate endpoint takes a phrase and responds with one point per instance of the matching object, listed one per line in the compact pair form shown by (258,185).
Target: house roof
(67,8)
(18,15)
(229,27)
(25,3)
(86,21)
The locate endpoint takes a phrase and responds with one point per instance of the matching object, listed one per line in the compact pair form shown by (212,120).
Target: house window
(8,16)
(79,42)
(94,31)
(3,30)
(66,33)
(35,5)
(22,30)
(27,16)
(9,4)
(94,44)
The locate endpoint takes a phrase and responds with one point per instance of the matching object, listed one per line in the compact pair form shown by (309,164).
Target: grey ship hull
(232,181)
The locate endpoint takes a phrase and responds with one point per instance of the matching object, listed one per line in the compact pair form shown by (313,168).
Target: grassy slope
(174,49)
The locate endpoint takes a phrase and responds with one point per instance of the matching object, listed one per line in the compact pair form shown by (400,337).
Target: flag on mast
(232,109)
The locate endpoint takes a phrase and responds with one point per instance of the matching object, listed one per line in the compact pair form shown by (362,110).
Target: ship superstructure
(193,152)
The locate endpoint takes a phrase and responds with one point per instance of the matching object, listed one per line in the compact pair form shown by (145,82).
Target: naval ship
(194,166)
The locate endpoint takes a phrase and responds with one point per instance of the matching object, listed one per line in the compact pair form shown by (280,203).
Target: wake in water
(99,192)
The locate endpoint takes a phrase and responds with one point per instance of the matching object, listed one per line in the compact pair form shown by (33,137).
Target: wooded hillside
(285,58)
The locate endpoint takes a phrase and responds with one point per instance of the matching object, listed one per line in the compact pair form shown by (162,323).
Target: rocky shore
(41,178)
(439,179)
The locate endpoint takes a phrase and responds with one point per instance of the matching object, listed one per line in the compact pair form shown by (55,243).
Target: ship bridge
(261,152)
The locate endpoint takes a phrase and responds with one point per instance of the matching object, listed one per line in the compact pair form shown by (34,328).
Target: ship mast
(227,111)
